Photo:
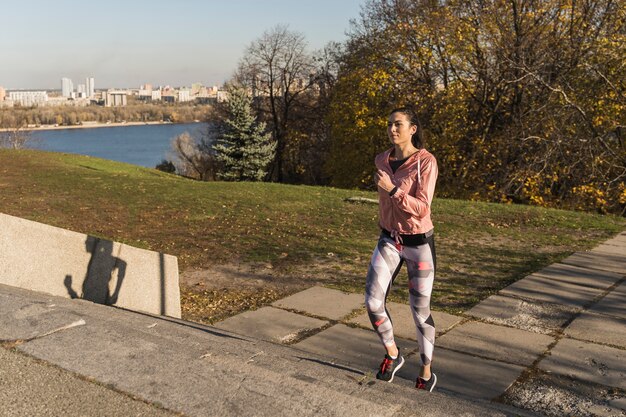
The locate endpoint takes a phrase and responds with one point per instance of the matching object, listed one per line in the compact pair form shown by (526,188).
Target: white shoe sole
(397,368)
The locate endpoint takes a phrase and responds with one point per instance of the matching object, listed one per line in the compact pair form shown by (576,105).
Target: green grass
(302,232)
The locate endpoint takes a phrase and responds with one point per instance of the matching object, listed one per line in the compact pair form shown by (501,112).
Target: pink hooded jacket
(407,211)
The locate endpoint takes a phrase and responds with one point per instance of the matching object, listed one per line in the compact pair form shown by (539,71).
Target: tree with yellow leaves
(523,100)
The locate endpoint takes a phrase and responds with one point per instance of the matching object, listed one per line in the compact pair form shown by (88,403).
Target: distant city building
(147,87)
(3,93)
(196,89)
(90,85)
(144,95)
(81,91)
(29,98)
(222,96)
(67,87)
(64,101)
(184,95)
(155,94)
(116,98)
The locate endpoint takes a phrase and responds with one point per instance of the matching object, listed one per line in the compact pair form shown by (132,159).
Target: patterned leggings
(384,266)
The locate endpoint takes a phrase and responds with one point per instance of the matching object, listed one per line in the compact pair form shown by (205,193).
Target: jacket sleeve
(419,205)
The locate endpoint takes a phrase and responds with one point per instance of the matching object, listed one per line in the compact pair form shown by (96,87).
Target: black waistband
(412,240)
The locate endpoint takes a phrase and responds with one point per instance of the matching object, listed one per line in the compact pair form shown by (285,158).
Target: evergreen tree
(242,146)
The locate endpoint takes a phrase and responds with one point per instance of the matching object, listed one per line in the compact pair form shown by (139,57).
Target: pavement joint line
(609,289)
(304,313)
(305,334)
(474,355)
(90,380)
(566,336)
(595,300)
(464,319)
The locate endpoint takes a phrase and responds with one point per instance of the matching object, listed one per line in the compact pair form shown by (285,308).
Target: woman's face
(399,129)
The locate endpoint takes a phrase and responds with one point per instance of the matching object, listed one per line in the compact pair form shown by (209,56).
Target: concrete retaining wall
(44,258)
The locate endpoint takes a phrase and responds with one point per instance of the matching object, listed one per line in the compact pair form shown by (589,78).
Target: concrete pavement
(554,343)
(108,361)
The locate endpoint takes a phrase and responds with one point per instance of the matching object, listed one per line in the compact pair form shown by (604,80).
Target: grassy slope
(299,230)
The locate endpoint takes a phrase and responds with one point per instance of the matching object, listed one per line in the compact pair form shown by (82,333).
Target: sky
(126,43)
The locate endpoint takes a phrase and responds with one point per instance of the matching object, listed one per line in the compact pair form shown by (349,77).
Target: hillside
(240,245)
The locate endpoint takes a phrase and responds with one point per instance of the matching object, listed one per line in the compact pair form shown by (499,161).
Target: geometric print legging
(386,262)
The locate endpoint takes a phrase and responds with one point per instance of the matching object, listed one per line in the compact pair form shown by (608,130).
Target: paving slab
(403,325)
(466,375)
(613,304)
(359,348)
(271,324)
(587,361)
(322,302)
(619,240)
(598,328)
(496,342)
(553,291)
(612,249)
(579,276)
(538,317)
(597,260)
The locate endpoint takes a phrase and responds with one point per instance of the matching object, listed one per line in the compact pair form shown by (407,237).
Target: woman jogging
(405,177)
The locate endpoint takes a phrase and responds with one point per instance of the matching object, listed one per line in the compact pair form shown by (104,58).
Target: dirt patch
(233,276)
(533,316)
(558,396)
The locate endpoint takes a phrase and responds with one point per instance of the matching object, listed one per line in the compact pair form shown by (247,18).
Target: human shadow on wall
(102,266)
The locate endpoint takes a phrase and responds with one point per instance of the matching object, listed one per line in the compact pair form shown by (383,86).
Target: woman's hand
(382,180)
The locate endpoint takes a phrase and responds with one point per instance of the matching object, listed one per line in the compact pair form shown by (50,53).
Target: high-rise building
(91,87)
(67,87)
(3,93)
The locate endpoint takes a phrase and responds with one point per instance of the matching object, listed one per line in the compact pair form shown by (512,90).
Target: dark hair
(418,137)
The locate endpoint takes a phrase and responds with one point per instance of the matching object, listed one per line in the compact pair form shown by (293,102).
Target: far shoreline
(90,125)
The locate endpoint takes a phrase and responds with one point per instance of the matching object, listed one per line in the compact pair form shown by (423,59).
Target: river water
(143,145)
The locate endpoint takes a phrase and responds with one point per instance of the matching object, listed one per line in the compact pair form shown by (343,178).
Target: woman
(405,177)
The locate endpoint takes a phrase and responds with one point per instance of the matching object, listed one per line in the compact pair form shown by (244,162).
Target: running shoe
(389,367)
(426,385)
